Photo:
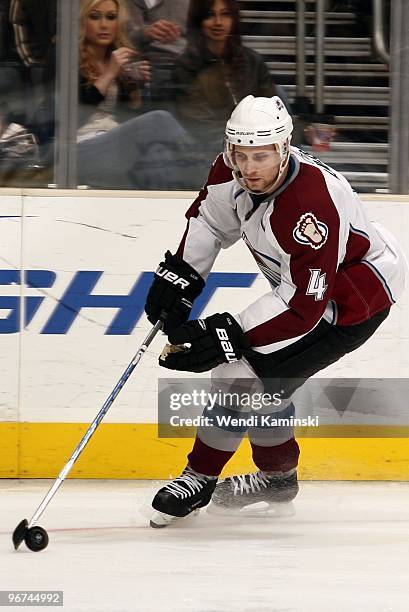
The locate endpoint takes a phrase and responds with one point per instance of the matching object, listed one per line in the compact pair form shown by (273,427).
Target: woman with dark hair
(215,25)
(215,72)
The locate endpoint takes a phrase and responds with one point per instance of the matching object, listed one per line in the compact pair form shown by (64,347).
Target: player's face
(218,25)
(259,166)
(102,24)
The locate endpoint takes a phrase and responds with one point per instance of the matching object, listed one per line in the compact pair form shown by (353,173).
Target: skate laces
(249,483)
(187,484)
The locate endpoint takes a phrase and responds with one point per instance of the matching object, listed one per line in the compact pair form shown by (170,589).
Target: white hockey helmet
(256,122)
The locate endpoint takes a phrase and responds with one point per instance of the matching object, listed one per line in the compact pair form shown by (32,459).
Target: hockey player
(333,277)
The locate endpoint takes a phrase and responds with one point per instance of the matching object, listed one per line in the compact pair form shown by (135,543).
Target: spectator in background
(35,23)
(7,47)
(110,75)
(215,72)
(118,146)
(158,29)
(12,72)
(18,151)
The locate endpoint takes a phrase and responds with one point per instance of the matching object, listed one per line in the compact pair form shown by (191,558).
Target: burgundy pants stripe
(280,458)
(207,460)
(210,461)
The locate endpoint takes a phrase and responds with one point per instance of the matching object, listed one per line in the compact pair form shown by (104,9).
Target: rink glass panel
(360,103)
(27,95)
(361,100)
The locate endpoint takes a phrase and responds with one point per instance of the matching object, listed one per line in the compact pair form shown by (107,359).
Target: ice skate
(256,494)
(181,497)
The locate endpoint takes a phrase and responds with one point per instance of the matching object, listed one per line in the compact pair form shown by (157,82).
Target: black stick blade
(20,533)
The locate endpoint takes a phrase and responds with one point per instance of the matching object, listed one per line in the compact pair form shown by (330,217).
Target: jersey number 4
(316,285)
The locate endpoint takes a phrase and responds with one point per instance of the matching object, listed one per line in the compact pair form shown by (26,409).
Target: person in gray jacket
(158,29)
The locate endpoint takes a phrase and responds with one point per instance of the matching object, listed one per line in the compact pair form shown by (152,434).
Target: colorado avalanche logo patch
(311,231)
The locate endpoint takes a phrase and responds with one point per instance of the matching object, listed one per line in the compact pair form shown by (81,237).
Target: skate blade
(258,510)
(161,519)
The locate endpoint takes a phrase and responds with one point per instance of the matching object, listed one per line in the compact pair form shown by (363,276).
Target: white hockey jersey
(311,239)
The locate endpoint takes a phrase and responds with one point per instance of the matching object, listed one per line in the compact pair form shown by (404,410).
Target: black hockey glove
(215,340)
(175,286)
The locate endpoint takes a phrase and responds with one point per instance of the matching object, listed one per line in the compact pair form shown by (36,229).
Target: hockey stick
(36,538)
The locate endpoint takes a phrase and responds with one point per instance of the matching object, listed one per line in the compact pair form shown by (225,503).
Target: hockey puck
(36,539)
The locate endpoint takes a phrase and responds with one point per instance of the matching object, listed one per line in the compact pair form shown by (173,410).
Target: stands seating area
(356,82)
(356,86)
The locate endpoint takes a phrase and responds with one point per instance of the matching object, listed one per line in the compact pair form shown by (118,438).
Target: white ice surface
(346,549)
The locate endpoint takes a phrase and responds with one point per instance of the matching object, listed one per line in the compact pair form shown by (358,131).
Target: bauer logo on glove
(226,344)
(172,277)
(199,346)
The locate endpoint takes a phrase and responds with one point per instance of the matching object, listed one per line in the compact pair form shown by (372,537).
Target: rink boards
(74,271)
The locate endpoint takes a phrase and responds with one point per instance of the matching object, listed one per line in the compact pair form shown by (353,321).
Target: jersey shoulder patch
(305,216)
(310,231)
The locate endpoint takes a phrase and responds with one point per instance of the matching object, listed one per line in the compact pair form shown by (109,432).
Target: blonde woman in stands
(120,145)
